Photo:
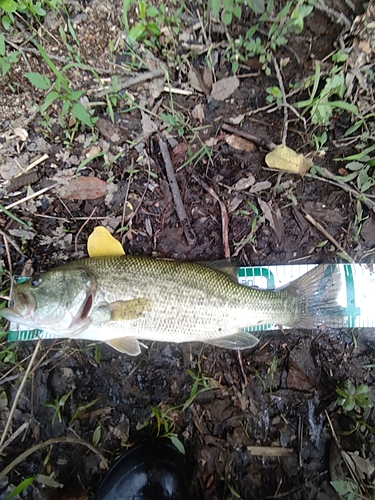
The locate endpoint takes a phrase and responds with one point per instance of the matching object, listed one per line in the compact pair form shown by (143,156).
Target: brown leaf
(111,131)
(198,113)
(196,81)
(224,88)
(83,188)
(239,143)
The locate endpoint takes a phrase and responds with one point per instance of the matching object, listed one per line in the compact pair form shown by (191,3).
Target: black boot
(153,470)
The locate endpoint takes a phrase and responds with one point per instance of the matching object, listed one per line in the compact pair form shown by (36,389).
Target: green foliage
(28,8)
(58,405)
(278,28)
(320,105)
(274,95)
(146,27)
(354,398)
(63,92)
(347,489)
(20,488)
(6,60)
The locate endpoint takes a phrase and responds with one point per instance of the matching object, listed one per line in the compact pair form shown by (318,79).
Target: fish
(124,300)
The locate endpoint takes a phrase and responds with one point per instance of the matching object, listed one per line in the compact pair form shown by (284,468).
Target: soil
(281,394)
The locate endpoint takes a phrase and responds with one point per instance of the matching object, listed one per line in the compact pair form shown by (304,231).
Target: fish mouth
(81,319)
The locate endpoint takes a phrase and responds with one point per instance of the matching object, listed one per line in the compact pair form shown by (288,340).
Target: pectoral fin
(240,340)
(125,310)
(127,345)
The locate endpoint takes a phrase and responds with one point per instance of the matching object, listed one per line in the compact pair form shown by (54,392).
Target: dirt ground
(264,427)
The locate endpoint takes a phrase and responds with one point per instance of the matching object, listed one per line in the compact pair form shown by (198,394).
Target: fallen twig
(256,140)
(324,232)
(18,394)
(39,446)
(281,85)
(124,84)
(270,451)
(331,179)
(224,215)
(180,209)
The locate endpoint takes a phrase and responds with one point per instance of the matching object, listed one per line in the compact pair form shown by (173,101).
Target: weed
(146,27)
(70,99)
(268,33)
(82,408)
(347,489)
(354,398)
(272,370)
(20,488)
(6,60)
(320,105)
(58,406)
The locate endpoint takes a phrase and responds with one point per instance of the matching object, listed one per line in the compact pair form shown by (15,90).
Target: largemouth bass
(121,300)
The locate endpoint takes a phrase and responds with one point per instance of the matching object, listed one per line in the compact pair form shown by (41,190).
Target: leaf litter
(230,430)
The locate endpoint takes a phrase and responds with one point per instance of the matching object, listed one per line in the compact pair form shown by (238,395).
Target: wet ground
(262,426)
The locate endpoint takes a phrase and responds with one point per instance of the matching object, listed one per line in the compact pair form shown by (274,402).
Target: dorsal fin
(226,267)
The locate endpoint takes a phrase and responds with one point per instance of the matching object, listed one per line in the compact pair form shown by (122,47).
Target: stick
(281,85)
(269,451)
(331,179)
(39,446)
(224,215)
(180,209)
(18,394)
(325,233)
(135,80)
(31,196)
(252,138)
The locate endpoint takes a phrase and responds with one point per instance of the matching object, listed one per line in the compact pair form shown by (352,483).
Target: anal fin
(127,345)
(240,340)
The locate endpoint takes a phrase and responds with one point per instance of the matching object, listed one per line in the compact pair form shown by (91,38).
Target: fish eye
(35,282)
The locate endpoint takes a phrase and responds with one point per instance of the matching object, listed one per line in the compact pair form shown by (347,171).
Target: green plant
(58,405)
(146,27)
(320,105)
(6,60)
(20,488)
(274,95)
(272,370)
(354,398)
(347,489)
(71,105)
(268,33)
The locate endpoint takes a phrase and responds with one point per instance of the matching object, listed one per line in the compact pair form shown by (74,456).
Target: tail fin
(319,290)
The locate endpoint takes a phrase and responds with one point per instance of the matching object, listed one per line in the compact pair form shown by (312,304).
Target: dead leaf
(94,150)
(235,203)
(236,120)
(110,131)
(244,183)
(207,78)
(266,212)
(224,88)
(179,154)
(284,158)
(239,143)
(196,81)
(82,188)
(273,216)
(21,133)
(211,142)
(198,113)
(102,244)
(260,186)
